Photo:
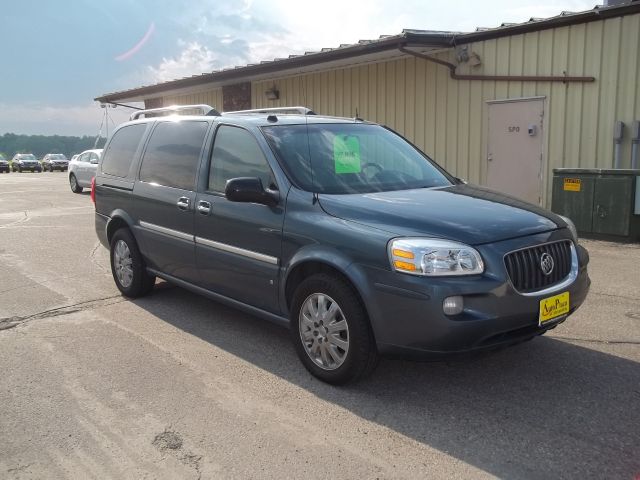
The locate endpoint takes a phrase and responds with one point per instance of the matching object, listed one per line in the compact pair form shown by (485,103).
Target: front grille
(525,272)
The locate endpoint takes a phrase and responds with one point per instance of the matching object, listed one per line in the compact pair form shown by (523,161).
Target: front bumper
(4,168)
(61,167)
(407,317)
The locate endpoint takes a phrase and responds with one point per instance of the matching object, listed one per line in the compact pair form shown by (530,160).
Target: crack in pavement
(594,340)
(94,260)
(25,218)
(10,322)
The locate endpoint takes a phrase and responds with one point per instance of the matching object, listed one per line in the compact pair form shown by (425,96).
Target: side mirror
(93,161)
(250,190)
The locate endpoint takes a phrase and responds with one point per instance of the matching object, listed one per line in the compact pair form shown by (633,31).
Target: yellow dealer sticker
(553,307)
(572,184)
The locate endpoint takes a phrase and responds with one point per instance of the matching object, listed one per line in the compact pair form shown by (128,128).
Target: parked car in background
(83,169)
(25,161)
(55,161)
(4,164)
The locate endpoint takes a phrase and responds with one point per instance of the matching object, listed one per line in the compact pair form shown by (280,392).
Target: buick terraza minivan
(338,228)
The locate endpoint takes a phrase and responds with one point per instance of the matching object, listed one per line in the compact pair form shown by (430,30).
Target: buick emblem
(546,263)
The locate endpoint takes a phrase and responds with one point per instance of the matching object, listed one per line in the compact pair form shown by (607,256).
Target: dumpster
(602,203)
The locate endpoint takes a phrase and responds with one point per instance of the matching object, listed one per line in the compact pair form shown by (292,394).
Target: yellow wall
(211,97)
(448,118)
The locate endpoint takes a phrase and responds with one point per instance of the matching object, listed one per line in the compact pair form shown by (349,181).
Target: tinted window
(84,157)
(122,148)
(236,153)
(351,158)
(172,155)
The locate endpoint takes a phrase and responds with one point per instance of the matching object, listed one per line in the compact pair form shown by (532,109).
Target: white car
(83,168)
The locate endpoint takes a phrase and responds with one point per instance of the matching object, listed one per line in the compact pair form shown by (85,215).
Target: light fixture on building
(475,60)
(272,93)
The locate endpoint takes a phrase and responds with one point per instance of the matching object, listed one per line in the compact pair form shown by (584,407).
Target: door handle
(183,203)
(203,207)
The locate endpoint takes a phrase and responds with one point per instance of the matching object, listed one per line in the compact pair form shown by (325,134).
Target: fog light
(453,305)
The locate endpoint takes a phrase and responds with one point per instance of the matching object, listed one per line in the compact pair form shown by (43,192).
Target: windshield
(26,157)
(57,156)
(343,158)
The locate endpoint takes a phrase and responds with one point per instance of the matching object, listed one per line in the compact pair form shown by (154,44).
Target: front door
(514,155)
(238,245)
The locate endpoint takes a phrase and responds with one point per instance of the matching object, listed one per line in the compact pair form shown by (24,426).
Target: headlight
(434,257)
(571,226)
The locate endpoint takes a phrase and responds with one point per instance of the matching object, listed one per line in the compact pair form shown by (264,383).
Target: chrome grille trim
(526,277)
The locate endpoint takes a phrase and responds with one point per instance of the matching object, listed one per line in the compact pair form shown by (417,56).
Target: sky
(56,56)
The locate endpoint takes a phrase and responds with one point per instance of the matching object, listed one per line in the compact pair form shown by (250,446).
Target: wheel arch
(317,259)
(118,219)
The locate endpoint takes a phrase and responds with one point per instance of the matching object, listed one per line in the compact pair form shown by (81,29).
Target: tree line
(40,145)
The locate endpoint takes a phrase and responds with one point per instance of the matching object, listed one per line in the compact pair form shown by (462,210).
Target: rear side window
(122,148)
(236,153)
(173,153)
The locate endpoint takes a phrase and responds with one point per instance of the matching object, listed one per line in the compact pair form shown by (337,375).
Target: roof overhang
(376,50)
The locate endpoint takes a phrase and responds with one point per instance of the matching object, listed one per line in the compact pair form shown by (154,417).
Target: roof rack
(205,110)
(283,110)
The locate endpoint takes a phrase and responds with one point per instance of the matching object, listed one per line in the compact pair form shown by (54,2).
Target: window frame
(135,160)
(203,151)
(204,185)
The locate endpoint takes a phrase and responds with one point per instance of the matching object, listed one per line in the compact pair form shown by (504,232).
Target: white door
(514,155)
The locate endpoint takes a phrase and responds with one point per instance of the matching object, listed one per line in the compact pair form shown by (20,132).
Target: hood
(468,214)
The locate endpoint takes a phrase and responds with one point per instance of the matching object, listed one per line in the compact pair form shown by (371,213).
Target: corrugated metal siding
(211,97)
(448,118)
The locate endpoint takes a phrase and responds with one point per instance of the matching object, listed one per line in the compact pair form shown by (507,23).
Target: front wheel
(127,266)
(330,330)
(73,182)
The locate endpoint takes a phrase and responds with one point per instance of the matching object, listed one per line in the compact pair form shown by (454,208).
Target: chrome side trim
(237,250)
(568,280)
(167,231)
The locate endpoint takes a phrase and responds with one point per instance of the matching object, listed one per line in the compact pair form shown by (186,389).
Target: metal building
(500,107)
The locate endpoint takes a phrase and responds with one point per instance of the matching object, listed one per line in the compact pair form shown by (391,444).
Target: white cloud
(194,58)
(33,118)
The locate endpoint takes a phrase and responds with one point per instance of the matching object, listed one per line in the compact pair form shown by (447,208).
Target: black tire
(73,183)
(142,283)
(19,169)
(50,169)
(362,355)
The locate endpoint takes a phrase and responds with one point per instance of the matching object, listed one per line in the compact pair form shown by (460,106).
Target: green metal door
(612,206)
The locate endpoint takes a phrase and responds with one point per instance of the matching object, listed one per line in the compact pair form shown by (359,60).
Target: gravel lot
(177,386)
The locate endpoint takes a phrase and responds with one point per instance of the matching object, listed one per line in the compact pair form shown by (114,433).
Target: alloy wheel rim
(324,331)
(74,183)
(123,263)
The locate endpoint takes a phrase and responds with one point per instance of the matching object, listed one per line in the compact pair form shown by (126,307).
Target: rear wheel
(330,330)
(50,169)
(128,267)
(73,182)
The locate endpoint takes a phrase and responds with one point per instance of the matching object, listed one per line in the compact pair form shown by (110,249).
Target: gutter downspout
(635,139)
(498,78)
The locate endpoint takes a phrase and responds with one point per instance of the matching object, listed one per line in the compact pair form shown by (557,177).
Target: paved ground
(178,386)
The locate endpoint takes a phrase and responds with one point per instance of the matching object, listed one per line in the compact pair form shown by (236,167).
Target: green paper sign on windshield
(346,154)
